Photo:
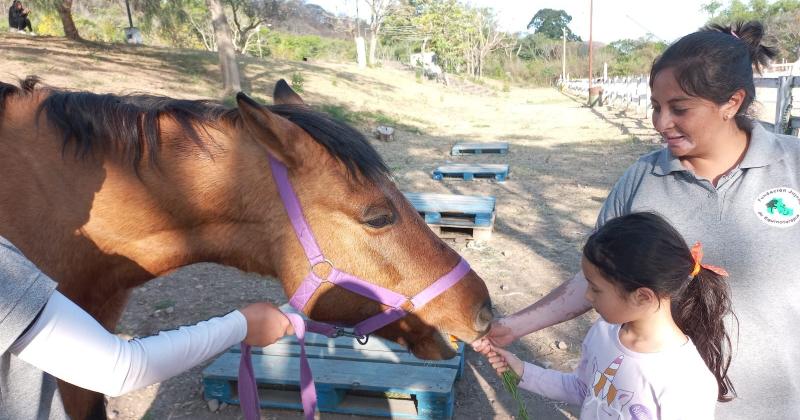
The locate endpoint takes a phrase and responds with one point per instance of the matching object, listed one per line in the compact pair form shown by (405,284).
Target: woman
(726,181)
(42,331)
(18,17)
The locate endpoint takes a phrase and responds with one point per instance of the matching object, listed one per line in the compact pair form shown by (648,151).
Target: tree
(550,22)
(227,54)
(379,9)
(64,9)
(780,18)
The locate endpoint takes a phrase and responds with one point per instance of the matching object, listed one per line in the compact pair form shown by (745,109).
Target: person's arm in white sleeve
(69,344)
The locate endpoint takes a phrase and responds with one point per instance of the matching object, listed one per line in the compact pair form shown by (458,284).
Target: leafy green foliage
(781,19)
(552,24)
(633,56)
(511,382)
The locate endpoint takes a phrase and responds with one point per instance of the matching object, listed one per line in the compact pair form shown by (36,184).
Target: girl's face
(612,303)
(691,126)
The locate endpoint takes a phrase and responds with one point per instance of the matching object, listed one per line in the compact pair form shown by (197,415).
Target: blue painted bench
(452,216)
(479,148)
(468,172)
(380,378)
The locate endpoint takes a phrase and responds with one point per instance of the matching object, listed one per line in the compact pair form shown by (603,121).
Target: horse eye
(380,221)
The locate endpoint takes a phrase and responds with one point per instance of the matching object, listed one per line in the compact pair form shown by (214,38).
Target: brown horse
(106,192)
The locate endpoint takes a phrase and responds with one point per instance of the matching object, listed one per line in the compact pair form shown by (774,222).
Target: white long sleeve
(69,344)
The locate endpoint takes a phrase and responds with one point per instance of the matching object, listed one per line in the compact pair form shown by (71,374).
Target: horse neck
(214,206)
(98,228)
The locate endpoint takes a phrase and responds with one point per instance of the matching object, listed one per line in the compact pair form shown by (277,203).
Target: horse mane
(130,124)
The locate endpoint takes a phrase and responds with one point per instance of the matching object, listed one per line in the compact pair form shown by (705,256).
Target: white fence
(634,92)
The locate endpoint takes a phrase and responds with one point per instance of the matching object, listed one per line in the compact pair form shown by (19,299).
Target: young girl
(661,350)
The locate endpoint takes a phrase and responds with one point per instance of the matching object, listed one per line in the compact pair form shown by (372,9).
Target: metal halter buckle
(341,332)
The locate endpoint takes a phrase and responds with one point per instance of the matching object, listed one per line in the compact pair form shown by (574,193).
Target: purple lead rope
(248,389)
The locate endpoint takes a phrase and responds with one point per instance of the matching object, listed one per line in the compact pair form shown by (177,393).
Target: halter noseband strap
(396,302)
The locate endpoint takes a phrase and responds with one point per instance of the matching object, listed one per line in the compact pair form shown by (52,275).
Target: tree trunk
(227,55)
(373,45)
(65,11)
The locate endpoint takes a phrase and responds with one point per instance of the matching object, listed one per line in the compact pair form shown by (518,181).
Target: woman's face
(690,126)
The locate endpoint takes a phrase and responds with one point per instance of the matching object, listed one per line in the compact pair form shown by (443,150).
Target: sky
(613,19)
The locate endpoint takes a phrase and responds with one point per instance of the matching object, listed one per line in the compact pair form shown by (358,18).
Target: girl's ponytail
(700,312)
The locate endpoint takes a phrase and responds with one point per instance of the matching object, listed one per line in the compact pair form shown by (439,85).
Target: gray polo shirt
(750,225)
(25,391)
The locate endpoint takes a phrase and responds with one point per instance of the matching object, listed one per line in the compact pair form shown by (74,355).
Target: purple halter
(248,395)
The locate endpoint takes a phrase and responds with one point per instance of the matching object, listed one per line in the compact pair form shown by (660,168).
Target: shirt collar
(763,150)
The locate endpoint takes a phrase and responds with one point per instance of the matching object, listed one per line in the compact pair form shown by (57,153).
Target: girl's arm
(69,344)
(553,384)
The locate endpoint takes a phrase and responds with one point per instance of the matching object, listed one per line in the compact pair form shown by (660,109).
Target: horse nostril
(485,317)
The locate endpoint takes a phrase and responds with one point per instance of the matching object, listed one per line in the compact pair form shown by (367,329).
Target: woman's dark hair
(716,61)
(643,250)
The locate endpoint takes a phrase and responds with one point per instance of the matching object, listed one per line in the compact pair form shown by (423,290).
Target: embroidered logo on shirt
(778,207)
(608,400)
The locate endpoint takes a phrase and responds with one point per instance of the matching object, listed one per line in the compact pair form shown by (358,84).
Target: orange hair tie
(697,255)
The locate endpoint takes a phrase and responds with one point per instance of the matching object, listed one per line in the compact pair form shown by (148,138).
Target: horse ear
(284,95)
(276,132)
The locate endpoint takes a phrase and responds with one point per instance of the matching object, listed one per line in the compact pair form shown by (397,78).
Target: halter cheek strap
(396,302)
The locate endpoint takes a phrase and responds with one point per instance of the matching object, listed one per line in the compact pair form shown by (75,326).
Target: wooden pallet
(479,148)
(380,378)
(468,172)
(456,217)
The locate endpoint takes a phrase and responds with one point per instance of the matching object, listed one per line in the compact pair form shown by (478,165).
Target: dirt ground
(564,158)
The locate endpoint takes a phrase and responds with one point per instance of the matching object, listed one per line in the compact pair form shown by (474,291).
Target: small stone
(213,405)
(503,287)
(503,253)
(562,345)
(198,286)
(169,310)
(158,312)
(223,406)
(491,400)
(112,414)
(143,289)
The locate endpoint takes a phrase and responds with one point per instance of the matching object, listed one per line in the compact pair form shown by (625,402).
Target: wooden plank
(763,82)
(462,233)
(287,349)
(348,387)
(479,148)
(452,208)
(470,171)
(352,374)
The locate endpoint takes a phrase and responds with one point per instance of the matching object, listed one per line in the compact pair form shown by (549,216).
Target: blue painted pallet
(467,210)
(380,378)
(469,172)
(458,149)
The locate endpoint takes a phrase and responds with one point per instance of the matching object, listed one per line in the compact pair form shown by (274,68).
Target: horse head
(362,223)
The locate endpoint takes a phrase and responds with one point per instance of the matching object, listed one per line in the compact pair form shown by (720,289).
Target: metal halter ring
(324,261)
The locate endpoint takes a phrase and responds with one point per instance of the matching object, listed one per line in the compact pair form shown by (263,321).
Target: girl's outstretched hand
(501,360)
(265,324)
